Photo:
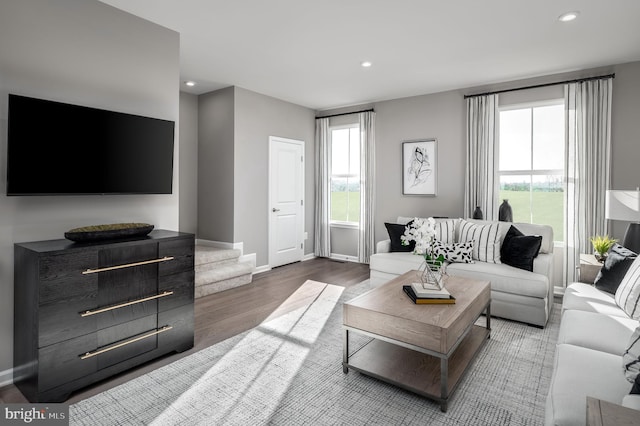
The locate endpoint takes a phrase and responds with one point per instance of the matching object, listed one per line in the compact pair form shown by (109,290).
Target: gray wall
(256,118)
(439,116)
(88,53)
(188,182)
(215,165)
(625,134)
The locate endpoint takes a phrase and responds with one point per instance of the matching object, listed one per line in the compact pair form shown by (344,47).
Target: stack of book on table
(422,296)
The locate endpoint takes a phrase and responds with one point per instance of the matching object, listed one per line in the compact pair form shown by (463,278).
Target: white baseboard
(262,268)
(220,244)
(308,257)
(6,377)
(343,258)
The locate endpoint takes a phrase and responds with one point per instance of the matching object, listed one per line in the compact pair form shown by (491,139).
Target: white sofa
(594,333)
(516,294)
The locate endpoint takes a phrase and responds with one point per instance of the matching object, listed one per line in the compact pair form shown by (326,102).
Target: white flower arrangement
(423,232)
(433,269)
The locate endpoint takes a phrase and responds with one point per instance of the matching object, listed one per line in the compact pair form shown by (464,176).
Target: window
(531,169)
(345,175)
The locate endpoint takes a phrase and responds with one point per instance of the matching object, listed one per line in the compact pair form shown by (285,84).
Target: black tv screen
(55,148)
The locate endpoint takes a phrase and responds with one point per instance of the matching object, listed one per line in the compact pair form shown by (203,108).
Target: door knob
(275,210)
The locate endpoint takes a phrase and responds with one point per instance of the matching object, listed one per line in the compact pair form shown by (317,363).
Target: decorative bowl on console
(108,232)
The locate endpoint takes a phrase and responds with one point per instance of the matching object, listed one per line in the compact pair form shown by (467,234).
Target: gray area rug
(288,371)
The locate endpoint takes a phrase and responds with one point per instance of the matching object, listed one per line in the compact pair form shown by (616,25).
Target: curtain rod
(577,80)
(347,113)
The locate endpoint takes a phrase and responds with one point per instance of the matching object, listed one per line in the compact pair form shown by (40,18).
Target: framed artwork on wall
(419,167)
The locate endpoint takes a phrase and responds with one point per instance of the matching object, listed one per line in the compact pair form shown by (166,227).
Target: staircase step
(216,287)
(223,278)
(208,254)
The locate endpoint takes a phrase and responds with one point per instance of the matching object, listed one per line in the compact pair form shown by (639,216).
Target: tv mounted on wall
(55,148)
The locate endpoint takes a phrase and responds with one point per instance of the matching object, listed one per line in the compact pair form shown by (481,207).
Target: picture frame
(420,167)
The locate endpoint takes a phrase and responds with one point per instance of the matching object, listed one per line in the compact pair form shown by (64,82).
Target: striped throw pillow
(446,231)
(486,240)
(631,357)
(628,293)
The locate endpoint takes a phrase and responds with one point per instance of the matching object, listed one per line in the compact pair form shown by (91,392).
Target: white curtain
(322,231)
(587,165)
(366,243)
(482,156)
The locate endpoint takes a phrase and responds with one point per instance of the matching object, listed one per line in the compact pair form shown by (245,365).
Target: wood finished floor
(223,315)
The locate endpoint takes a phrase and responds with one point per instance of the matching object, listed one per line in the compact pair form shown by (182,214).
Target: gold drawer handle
(128,265)
(122,305)
(125,343)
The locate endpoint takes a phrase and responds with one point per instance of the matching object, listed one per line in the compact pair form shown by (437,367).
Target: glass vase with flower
(433,270)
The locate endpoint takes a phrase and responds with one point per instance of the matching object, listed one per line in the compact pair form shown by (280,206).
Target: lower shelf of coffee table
(415,371)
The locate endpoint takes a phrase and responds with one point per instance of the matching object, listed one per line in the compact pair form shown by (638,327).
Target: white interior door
(286,201)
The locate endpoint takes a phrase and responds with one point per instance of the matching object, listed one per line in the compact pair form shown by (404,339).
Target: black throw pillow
(519,250)
(395,231)
(614,268)
(636,386)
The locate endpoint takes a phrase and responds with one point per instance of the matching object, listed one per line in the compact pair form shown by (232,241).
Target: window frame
(342,223)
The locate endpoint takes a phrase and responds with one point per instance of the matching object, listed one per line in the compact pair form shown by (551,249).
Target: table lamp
(625,205)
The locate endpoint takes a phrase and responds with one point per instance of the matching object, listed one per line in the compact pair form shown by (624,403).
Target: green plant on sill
(602,244)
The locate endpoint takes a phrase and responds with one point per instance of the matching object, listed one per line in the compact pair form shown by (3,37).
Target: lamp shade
(623,205)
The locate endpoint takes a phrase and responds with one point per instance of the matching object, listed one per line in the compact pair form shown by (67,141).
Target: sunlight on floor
(252,378)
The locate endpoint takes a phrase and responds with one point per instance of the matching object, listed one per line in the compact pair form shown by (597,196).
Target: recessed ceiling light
(569,16)
(190,83)
(366,64)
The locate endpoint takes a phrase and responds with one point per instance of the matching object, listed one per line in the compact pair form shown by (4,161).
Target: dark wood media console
(84,312)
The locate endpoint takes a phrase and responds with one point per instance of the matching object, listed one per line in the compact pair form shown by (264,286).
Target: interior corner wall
(215,165)
(188,136)
(87,53)
(256,118)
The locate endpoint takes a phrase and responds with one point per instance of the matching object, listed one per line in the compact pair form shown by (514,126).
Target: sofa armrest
(631,401)
(543,264)
(383,246)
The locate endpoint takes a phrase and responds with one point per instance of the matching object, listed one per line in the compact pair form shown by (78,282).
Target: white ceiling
(309,53)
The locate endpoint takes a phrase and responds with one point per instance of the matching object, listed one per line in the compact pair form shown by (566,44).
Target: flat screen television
(56,148)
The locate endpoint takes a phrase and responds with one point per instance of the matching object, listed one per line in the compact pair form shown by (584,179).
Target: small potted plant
(601,245)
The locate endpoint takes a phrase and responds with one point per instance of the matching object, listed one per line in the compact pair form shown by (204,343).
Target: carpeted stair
(219,269)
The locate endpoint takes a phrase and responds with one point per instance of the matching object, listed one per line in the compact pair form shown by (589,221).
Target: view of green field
(339,210)
(548,208)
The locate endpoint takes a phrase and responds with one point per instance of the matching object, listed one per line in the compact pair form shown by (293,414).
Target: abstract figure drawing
(419,168)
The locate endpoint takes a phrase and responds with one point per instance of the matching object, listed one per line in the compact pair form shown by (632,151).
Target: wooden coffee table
(422,348)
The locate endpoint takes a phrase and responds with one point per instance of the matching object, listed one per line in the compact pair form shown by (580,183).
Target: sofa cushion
(395,263)
(504,278)
(595,331)
(631,356)
(580,372)
(486,240)
(617,262)
(585,297)
(456,252)
(395,231)
(519,250)
(628,293)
